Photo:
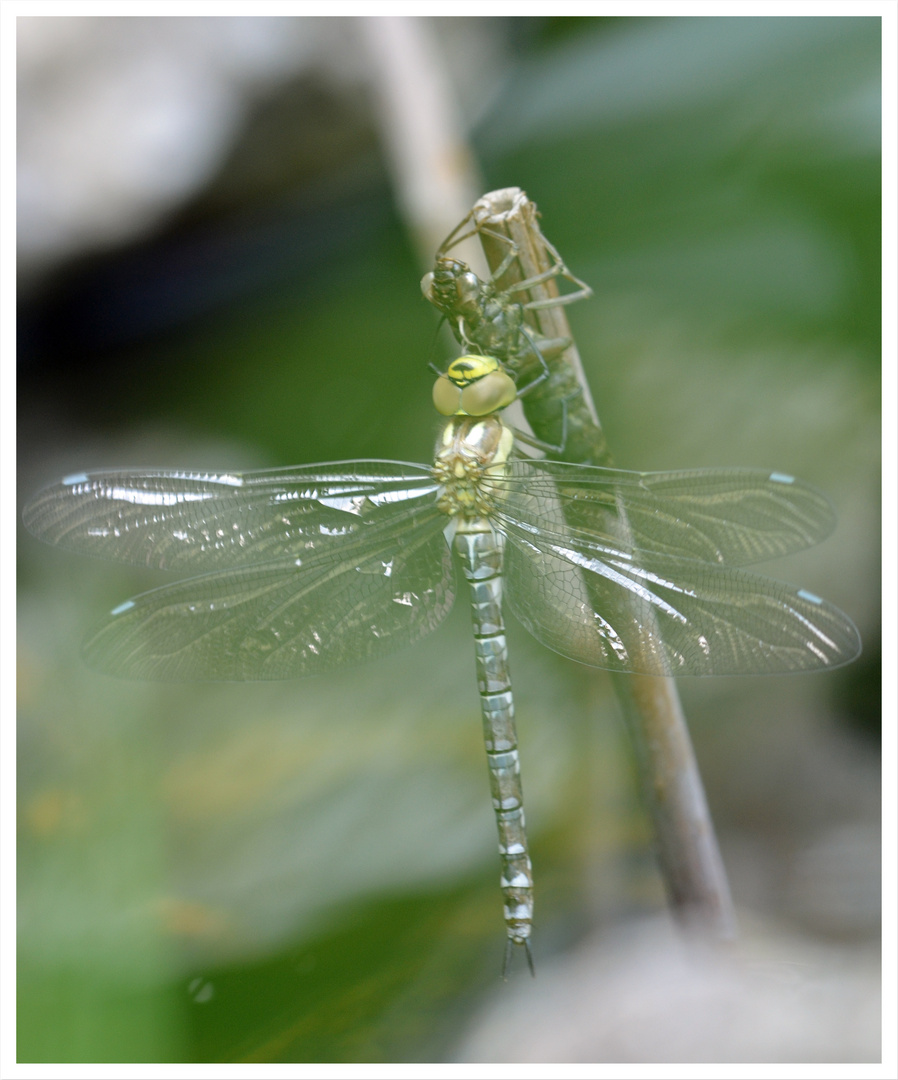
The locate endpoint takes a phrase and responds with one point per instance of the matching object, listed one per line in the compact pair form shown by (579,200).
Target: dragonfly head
(473,386)
(454,288)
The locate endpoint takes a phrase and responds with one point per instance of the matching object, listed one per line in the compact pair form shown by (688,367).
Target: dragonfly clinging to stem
(493,320)
(308,569)
(501,316)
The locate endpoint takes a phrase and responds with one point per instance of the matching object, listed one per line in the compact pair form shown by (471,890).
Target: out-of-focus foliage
(306,871)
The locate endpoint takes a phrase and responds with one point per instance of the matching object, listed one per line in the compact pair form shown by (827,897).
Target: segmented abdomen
(481,553)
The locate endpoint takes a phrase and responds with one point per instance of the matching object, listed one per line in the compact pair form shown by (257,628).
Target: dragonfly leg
(513,250)
(556,270)
(583,291)
(541,444)
(516,360)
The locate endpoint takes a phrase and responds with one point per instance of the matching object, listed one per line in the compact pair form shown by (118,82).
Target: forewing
(667,615)
(363,599)
(175,520)
(728,517)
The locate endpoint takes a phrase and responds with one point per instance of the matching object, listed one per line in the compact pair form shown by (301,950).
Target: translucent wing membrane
(328,565)
(652,589)
(728,516)
(371,596)
(197,521)
(320,566)
(665,615)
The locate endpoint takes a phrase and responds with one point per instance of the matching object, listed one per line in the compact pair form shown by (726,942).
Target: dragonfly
(502,322)
(305,570)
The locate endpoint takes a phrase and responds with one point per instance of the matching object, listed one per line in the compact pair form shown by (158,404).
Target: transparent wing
(666,615)
(726,516)
(174,520)
(366,597)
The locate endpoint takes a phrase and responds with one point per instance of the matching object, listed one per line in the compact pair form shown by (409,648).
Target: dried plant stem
(671,785)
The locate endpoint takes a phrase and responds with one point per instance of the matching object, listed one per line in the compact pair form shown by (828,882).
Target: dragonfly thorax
(468,448)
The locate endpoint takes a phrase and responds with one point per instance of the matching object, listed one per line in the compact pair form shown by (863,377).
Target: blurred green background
(306,871)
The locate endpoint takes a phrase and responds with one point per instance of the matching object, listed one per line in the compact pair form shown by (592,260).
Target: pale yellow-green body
(470,455)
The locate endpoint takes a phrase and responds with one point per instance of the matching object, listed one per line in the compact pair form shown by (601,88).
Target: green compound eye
(473,386)
(489,394)
(446,397)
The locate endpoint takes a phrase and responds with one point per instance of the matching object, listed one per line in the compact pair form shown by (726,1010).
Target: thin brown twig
(671,785)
